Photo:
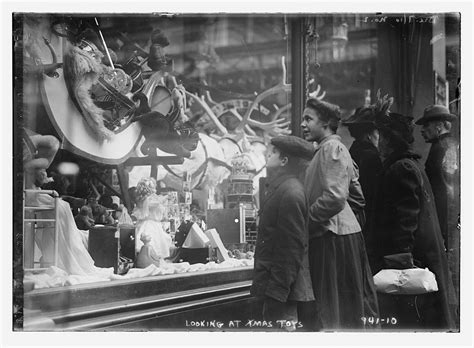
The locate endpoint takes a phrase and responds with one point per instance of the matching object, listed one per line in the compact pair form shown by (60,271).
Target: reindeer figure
(209,164)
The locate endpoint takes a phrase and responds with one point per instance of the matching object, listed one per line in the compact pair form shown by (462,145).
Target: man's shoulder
(439,149)
(448,142)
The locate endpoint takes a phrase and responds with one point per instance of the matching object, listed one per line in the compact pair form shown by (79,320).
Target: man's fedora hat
(436,113)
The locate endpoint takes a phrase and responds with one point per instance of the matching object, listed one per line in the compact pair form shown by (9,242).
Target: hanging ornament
(311,58)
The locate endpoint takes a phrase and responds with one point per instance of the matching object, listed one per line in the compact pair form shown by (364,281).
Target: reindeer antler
(234,112)
(208,110)
(316,94)
(282,86)
(273,128)
(207,94)
(281,110)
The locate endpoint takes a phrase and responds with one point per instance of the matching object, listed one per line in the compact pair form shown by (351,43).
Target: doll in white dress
(149,212)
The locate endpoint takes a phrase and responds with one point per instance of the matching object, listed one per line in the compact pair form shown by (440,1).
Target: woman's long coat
(281,268)
(406,221)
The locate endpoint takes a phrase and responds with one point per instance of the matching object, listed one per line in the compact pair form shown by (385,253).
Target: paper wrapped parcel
(412,281)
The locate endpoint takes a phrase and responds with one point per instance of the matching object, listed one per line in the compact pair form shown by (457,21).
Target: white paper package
(412,281)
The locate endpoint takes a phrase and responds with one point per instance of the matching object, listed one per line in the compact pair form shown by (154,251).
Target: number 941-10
(376,320)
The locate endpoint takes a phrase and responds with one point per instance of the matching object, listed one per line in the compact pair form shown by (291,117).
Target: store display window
(153,131)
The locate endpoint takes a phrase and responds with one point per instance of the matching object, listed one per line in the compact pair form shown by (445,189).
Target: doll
(99,213)
(149,211)
(83,220)
(147,255)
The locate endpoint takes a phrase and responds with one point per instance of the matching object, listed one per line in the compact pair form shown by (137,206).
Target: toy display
(118,100)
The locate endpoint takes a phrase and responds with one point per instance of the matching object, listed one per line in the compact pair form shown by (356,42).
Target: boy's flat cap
(294,146)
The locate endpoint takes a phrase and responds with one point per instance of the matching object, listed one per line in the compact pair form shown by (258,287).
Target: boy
(281,273)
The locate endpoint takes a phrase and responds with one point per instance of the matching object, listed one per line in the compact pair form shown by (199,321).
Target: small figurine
(147,255)
(83,220)
(99,213)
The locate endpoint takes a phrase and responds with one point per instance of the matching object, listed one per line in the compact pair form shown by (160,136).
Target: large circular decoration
(78,136)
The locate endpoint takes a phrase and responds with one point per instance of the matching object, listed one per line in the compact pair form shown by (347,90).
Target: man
(341,276)
(281,271)
(442,167)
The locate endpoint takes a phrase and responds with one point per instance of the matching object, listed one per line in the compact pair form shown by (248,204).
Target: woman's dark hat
(362,116)
(398,125)
(436,113)
(366,115)
(294,146)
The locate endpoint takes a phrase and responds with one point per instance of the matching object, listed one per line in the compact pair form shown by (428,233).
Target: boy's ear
(284,161)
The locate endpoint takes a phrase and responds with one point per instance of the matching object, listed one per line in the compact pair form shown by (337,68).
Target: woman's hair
(327,112)
(397,129)
(395,142)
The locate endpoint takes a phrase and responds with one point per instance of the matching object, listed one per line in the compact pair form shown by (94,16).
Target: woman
(405,221)
(364,151)
(341,277)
